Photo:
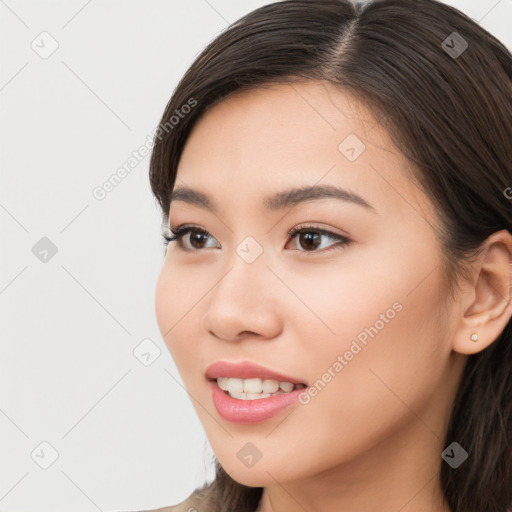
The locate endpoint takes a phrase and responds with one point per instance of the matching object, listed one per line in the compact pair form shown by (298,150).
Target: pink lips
(249,411)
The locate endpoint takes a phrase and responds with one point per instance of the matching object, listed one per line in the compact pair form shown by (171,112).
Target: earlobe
(485,302)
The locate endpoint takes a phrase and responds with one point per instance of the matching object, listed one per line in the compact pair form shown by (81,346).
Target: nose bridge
(242,300)
(246,271)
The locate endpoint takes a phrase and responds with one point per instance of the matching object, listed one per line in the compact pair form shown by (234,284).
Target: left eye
(309,237)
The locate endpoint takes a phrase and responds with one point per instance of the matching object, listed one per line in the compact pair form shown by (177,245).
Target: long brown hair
(446,101)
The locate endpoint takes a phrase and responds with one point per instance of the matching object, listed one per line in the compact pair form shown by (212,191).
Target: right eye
(193,243)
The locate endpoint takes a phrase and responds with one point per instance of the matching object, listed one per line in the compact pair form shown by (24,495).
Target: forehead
(288,119)
(263,140)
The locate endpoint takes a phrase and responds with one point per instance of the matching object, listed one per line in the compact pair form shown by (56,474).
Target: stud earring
(474,337)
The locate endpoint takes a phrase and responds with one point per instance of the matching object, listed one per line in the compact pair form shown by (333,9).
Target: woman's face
(361,321)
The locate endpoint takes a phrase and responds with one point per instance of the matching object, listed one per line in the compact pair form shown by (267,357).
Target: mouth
(244,407)
(255,388)
(246,380)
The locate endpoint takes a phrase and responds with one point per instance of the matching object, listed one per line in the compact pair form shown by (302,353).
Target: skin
(372,438)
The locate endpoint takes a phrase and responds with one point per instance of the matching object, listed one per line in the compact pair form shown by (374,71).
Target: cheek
(334,305)
(177,305)
(164,300)
(172,302)
(369,295)
(178,290)
(386,352)
(367,339)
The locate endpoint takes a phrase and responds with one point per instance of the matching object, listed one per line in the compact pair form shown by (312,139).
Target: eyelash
(181,231)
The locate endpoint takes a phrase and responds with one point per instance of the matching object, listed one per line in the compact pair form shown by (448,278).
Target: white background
(126,434)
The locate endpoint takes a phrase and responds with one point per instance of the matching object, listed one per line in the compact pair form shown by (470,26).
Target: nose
(243,303)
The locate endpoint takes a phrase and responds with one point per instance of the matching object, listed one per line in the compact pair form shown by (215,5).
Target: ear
(485,302)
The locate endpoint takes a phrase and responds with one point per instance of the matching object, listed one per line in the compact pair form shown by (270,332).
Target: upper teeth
(234,385)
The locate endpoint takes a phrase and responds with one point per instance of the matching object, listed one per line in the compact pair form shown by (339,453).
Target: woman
(336,182)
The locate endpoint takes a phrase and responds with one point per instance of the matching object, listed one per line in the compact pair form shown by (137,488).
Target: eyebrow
(276,201)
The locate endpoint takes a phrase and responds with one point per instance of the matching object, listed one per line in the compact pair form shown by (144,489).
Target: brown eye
(196,240)
(309,239)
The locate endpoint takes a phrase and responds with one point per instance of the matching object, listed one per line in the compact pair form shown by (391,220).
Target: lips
(251,411)
(247,370)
